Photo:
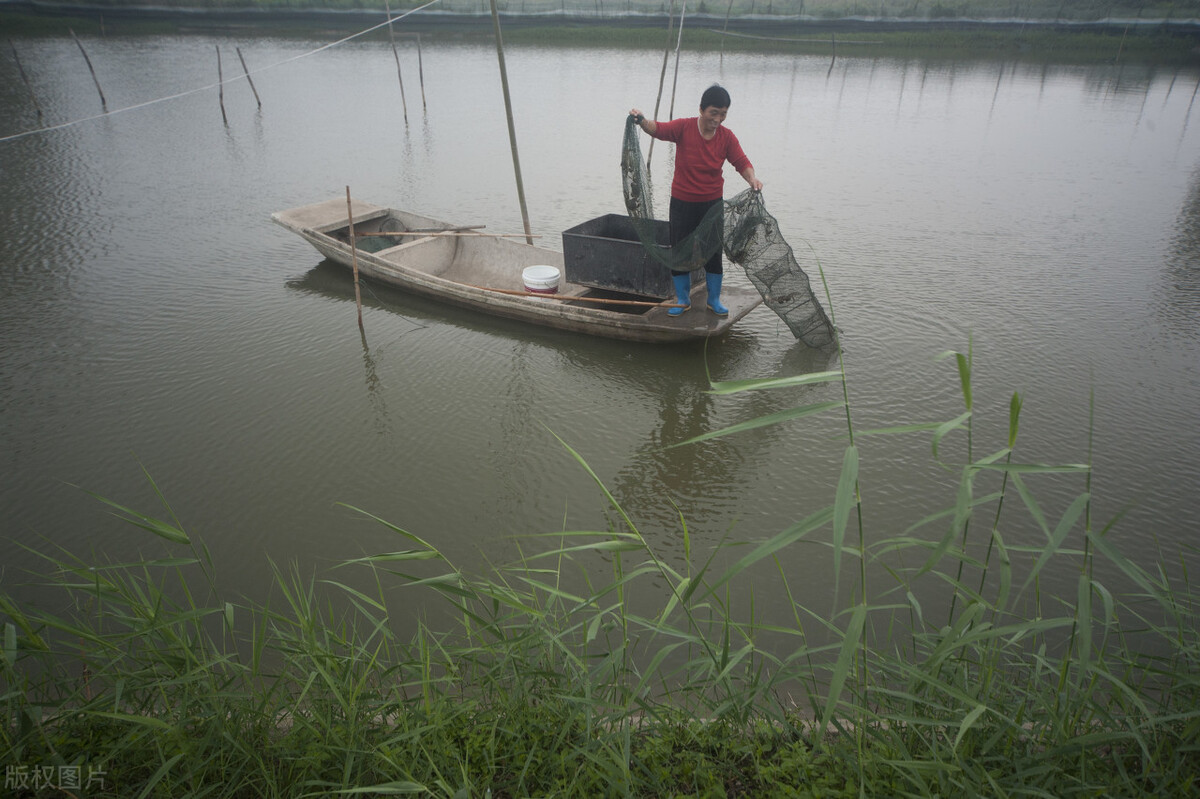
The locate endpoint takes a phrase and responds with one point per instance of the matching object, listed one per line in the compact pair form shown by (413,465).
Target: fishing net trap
(750,237)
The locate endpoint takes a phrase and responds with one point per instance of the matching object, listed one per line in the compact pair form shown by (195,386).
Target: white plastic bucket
(541,279)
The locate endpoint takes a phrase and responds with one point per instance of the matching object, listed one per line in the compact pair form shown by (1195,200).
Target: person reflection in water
(702,146)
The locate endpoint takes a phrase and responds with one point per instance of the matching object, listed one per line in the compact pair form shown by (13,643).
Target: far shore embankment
(1113,39)
(433,20)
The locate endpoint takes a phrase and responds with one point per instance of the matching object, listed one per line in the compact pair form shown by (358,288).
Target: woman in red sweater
(702,146)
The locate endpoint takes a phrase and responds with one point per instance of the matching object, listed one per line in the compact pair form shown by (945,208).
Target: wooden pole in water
(512,131)
(678,46)
(354,258)
(728,11)
(221,88)
(403,102)
(662,76)
(421,73)
(91,69)
(25,79)
(257,99)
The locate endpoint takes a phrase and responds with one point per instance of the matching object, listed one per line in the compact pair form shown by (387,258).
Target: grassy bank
(552,681)
(1032,44)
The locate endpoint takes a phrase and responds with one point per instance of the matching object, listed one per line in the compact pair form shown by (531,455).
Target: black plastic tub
(606,253)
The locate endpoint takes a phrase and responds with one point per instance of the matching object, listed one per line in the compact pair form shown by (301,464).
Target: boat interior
(470,256)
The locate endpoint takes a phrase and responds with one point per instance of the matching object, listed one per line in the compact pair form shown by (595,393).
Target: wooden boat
(483,272)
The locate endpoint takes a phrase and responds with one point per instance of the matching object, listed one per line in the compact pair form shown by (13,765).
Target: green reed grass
(550,681)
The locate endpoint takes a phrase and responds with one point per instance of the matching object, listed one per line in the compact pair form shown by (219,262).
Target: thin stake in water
(392,37)
(354,258)
(421,73)
(25,79)
(257,99)
(221,88)
(91,69)
(512,131)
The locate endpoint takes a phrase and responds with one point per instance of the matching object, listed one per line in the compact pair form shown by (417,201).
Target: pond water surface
(1048,217)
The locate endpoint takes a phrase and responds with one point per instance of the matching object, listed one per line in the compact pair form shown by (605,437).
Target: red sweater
(698,162)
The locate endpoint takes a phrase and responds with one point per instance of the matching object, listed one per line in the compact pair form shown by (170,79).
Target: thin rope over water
(219,83)
(750,237)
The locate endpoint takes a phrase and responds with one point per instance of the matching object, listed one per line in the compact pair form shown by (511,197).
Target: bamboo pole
(91,69)
(678,47)
(572,298)
(662,76)
(221,88)
(833,56)
(392,37)
(421,73)
(354,259)
(25,80)
(1121,49)
(512,131)
(728,11)
(257,99)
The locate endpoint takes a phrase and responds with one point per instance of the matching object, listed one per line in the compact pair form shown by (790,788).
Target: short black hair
(714,96)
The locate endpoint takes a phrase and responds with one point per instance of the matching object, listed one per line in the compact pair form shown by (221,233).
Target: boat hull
(471,269)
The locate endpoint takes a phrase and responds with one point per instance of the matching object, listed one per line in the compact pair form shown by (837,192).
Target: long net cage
(750,237)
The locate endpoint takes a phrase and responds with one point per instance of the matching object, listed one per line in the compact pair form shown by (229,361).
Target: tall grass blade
(841,669)
(395,557)
(158,527)
(1014,419)
(1035,468)
(844,501)
(962,514)
(1069,517)
(966,724)
(10,643)
(764,421)
(1006,573)
(144,721)
(596,479)
(945,428)
(399,788)
(737,386)
(767,548)
(1083,612)
(1128,568)
(158,775)
(964,378)
(1031,503)
(964,364)
(400,531)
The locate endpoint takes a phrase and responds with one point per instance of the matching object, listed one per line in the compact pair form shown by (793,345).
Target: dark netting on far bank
(751,239)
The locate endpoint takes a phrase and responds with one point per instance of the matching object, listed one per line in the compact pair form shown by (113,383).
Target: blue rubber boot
(683,293)
(713,283)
